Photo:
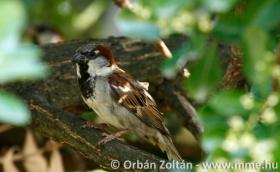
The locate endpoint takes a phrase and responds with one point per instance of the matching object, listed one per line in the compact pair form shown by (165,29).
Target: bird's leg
(110,137)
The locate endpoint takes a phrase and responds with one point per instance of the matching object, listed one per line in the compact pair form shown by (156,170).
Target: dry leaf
(34,161)
(8,163)
(56,163)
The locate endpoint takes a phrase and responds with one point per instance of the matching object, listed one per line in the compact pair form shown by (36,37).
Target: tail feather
(165,144)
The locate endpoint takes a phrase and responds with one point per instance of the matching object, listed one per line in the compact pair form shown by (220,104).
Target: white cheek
(105,71)
(78,71)
(92,67)
(98,67)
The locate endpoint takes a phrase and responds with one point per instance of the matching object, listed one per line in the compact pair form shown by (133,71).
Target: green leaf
(22,63)
(277,151)
(90,116)
(166,8)
(263,14)
(13,110)
(170,68)
(219,5)
(277,107)
(132,26)
(205,75)
(188,51)
(213,122)
(139,29)
(254,47)
(12,19)
(257,60)
(229,28)
(88,17)
(227,102)
(263,131)
(259,13)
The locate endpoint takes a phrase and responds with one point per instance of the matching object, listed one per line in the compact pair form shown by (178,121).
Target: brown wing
(132,95)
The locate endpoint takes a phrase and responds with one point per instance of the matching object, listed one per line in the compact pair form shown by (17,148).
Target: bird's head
(94,59)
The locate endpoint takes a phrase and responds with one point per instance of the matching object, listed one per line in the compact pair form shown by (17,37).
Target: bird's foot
(110,137)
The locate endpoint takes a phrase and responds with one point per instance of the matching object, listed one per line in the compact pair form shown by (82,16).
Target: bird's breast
(100,100)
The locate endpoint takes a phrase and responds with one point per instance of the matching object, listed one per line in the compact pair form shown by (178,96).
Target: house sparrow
(120,100)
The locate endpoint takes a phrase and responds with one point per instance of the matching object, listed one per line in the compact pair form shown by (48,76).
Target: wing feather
(134,96)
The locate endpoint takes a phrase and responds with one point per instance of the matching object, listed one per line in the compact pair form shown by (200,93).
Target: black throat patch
(86,82)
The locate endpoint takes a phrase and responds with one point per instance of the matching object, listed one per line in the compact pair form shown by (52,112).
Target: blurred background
(231,55)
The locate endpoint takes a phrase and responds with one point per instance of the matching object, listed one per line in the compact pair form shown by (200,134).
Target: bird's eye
(93,54)
(88,54)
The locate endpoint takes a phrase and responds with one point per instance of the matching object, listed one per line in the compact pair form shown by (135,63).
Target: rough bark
(66,128)
(233,77)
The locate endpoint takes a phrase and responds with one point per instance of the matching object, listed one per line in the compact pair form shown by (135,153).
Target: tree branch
(67,128)
(59,91)
(178,101)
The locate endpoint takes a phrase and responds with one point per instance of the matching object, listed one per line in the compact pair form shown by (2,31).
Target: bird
(118,99)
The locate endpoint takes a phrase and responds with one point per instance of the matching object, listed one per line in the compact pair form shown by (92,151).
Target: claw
(110,137)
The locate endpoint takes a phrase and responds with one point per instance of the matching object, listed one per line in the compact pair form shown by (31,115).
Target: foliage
(240,121)
(241,124)
(18,61)
(74,18)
